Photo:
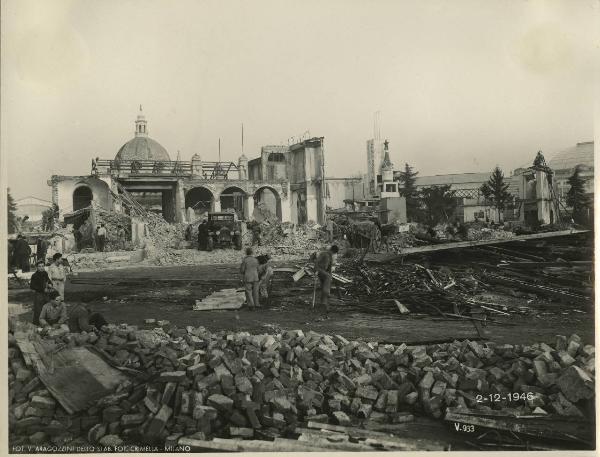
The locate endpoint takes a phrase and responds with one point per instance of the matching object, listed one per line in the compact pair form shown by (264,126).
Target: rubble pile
(162,234)
(194,384)
(423,289)
(111,222)
(286,238)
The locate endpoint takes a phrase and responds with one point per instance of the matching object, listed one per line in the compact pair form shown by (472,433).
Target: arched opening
(200,200)
(82,197)
(233,198)
(267,204)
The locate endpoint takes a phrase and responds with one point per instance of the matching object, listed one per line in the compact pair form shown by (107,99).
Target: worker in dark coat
(41,284)
(323,266)
(81,319)
(22,253)
(42,249)
(202,235)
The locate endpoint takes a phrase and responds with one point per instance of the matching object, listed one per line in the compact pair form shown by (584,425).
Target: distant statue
(539,160)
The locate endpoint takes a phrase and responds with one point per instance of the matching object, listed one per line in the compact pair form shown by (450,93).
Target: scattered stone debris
(193,386)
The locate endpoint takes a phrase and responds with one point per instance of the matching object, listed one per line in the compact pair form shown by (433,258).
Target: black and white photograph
(298,226)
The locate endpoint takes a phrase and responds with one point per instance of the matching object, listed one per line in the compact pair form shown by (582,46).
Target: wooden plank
(408,444)
(381,258)
(221,300)
(236,445)
(542,427)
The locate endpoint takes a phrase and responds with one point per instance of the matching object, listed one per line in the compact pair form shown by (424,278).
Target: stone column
(179,202)
(217,205)
(249,207)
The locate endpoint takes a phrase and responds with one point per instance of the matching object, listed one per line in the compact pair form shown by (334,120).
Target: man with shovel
(323,266)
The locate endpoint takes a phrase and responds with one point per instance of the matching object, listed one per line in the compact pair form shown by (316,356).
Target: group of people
(102,237)
(19,254)
(256,275)
(49,309)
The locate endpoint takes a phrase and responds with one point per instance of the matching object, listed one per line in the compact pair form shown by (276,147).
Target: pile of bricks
(201,385)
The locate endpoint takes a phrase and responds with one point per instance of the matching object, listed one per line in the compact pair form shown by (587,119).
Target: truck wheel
(210,244)
(237,242)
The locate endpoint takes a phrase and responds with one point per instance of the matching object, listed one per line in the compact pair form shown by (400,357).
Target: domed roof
(142,148)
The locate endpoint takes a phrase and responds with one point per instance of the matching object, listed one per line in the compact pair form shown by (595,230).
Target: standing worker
(265,272)
(57,274)
(121,237)
(42,250)
(41,284)
(21,254)
(330,230)
(249,272)
(324,265)
(202,235)
(101,237)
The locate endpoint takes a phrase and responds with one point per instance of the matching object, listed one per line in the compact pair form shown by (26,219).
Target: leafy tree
(408,190)
(577,198)
(496,191)
(13,225)
(439,203)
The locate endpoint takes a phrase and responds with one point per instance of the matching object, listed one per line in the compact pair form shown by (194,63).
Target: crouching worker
(81,319)
(54,313)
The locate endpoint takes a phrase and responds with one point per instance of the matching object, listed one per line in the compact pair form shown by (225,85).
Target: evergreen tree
(439,203)
(496,191)
(13,226)
(577,198)
(408,190)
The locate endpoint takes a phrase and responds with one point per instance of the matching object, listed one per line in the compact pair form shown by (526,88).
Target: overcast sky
(461,85)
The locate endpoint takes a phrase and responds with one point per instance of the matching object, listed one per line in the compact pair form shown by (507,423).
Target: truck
(225,230)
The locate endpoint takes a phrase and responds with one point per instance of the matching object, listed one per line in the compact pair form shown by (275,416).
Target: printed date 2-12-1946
(509,397)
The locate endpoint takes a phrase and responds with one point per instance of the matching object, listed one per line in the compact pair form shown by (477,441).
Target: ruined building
(286,180)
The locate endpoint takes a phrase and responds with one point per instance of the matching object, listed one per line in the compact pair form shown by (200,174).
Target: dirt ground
(165,293)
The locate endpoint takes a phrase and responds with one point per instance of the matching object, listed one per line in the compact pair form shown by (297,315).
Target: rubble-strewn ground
(133,304)
(525,335)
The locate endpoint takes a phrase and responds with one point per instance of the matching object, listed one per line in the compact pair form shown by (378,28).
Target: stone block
(152,404)
(23,375)
(342,418)
(172,376)
(129,420)
(576,384)
(241,432)
(243,384)
(96,432)
(208,412)
(427,381)
(168,392)
(364,411)
(158,423)
(438,388)
(110,441)
(368,392)
(221,402)
(38,438)
(45,403)
(112,414)
(540,368)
